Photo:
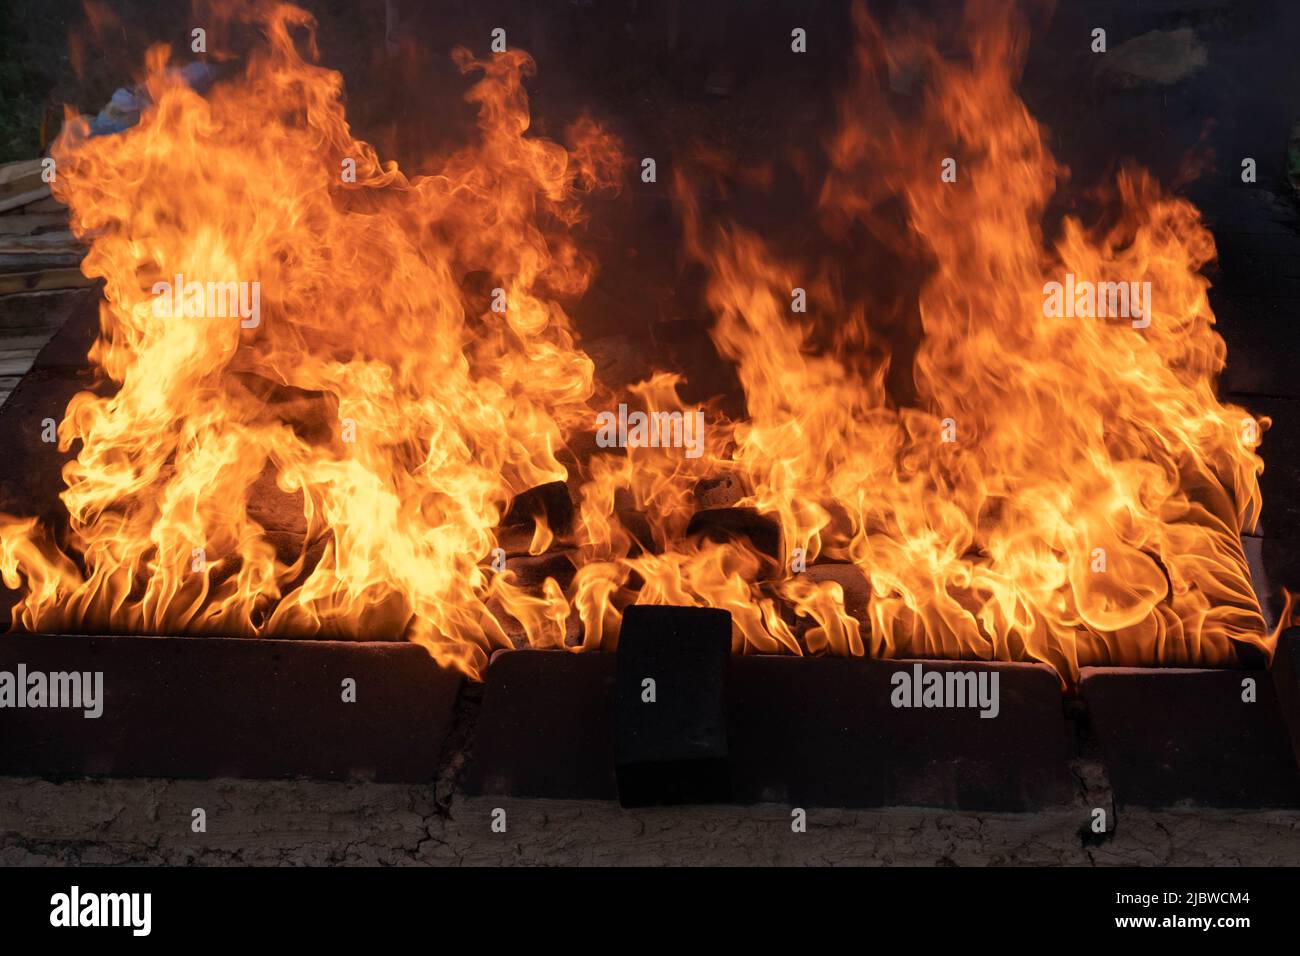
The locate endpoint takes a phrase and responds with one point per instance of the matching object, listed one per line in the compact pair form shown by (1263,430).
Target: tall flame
(1062,490)
(366,332)
(1088,505)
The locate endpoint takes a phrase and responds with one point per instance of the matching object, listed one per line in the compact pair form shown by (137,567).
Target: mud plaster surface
(147,821)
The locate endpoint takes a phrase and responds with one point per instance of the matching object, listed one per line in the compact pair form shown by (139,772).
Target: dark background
(623,61)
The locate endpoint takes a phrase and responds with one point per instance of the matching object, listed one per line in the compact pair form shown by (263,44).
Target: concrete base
(148,821)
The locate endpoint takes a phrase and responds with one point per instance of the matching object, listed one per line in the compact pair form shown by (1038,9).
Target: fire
(378,399)
(1067,490)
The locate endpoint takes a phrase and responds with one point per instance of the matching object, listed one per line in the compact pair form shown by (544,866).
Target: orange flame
(1066,490)
(391,413)
(1087,503)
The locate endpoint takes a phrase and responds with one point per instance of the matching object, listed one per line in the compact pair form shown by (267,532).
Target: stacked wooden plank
(38,252)
(40,263)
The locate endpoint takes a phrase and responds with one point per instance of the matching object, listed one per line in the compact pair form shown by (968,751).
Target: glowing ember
(1064,487)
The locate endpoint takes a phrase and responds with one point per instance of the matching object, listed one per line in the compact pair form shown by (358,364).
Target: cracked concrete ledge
(90,821)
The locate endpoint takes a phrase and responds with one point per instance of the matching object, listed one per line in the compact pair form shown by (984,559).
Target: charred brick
(671,706)
(1286,682)
(225,707)
(1171,736)
(544,729)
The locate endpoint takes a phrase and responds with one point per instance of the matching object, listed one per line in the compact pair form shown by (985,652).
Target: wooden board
(20,171)
(50,242)
(48,204)
(15,200)
(40,281)
(32,224)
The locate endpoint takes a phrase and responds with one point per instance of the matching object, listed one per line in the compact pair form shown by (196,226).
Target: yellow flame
(1067,490)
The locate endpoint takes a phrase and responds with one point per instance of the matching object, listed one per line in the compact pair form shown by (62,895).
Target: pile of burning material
(347,401)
